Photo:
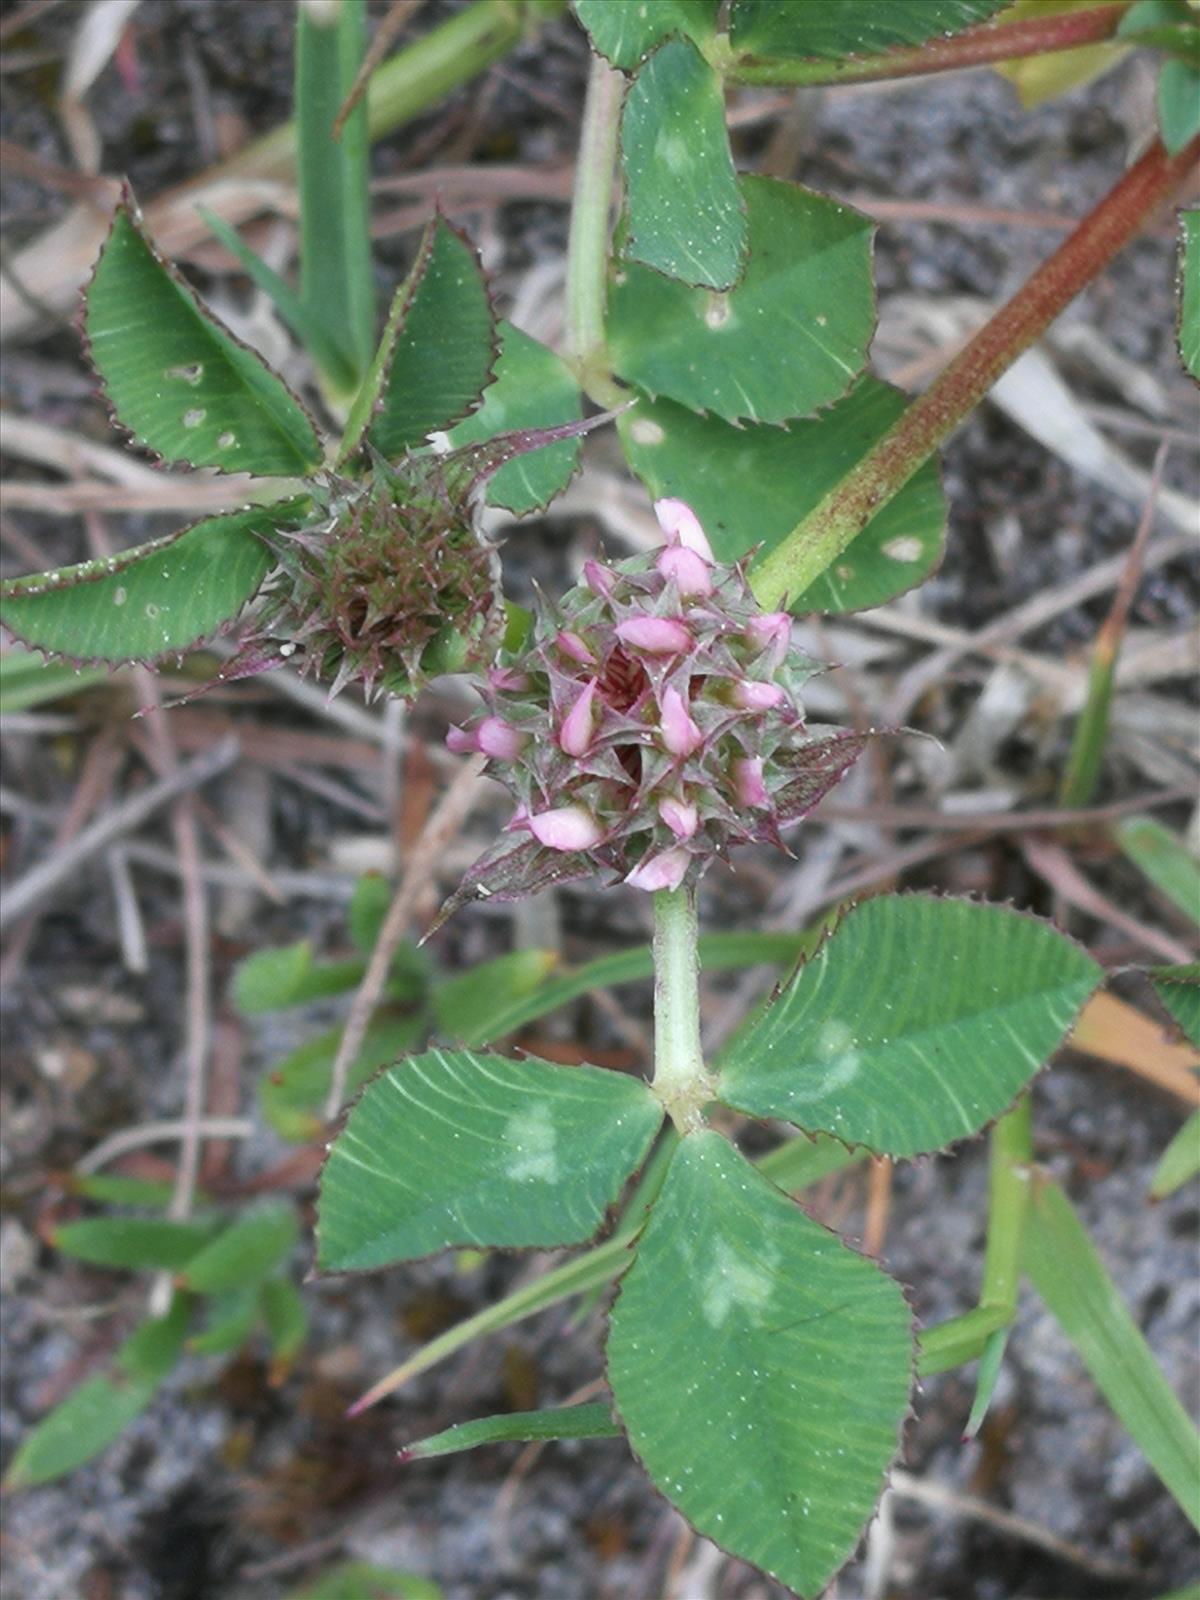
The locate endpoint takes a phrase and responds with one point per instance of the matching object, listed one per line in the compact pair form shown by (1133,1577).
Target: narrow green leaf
(457,1148)
(27,680)
(778,345)
(719,952)
(368,907)
(230,1322)
(117,1189)
(1188,325)
(1179,990)
(364,1580)
(1178,104)
(155,599)
(1179,1162)
(247,1250)
(286,1317)
(1074,1282)
(293,1094)
(686,213)
(303,322)
(862,1043)
(848,27)
(101,1408)
(176,378)
(133,1242)
(760,1368)
(532,389)
(466,1006)
(625,34)
(799,1162)
(588,1421)
(437,353)
(751,485)
(985,1384)
(1165,860)
(336,286)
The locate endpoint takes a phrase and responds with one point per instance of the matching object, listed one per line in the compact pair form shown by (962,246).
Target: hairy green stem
(680,1081)
(826,531)
(977,47)
(587,245)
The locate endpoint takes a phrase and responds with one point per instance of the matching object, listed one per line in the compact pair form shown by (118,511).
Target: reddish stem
(977,47)
(913,438)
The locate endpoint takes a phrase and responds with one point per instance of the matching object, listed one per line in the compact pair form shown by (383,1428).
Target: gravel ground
(224,1475)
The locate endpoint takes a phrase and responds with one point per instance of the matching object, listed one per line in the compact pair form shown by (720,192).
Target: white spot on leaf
(732,1281)
(533,1141)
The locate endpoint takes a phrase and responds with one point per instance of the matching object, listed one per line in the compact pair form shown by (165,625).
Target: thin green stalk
(963,1338)
(826,531)
(587,245)
(977,47)
(680,1080)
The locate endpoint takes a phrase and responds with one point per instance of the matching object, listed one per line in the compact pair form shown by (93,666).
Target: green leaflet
(848,27)
(760,1368)
(245,1252)
(153,600)
(751,485)
(133,1242)
(1178,988)
(779,344)
(437,353)
(176,378)
(904,1055)
(457,1148)
(101,1408)
(532,389)
(625,34)
(1179,1162)
(686,214)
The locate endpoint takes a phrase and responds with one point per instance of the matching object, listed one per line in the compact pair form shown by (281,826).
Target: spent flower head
(651,721)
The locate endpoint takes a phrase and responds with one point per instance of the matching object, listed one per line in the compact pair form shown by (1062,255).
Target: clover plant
(647,721)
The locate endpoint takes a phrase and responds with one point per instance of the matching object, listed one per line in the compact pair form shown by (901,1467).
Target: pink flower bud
(566,828)
(751,695)
(748,782)
(499,739)
(575,735)
(771,631)
(679,733)
(572,645)
(682,819)
(682,526)
(658,636)
(598,579)
(691,572)
(463,741)
(663,871)
(508,680)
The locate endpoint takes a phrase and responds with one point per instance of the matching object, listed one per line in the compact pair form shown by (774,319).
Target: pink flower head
(748,782)
(681,526)
(463,741)
(662,871)
(499,739)
(691,572)
(566,828)
(771,630)
(575,735)
(682,819)
(572,645)
(751,695)
(657,636)
(679,732)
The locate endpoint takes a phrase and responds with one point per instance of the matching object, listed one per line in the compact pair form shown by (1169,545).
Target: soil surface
(229,1486)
